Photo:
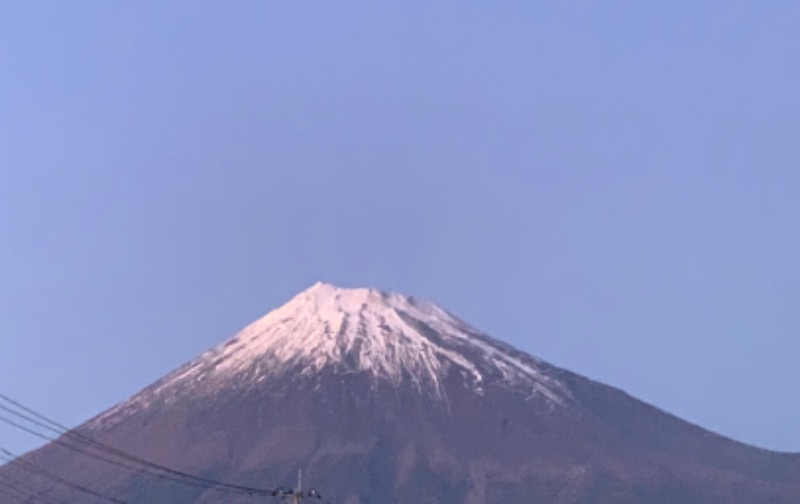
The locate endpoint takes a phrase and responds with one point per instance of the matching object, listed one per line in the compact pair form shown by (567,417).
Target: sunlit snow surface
(392,337)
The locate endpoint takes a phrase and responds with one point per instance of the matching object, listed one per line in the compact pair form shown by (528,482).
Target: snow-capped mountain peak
(391,336)
(352,329)
(384,398)
(394,339)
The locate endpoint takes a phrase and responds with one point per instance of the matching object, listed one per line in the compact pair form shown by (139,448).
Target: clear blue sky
(612,186)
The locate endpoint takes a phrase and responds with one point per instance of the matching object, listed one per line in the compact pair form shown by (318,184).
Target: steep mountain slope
(383,398)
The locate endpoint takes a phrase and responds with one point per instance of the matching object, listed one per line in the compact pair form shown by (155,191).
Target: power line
(32,412)
(27,466)
(96,456)
(121,459)
(118,463)
(162,472)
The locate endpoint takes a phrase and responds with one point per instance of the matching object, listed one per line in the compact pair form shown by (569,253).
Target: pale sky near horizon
(610,186)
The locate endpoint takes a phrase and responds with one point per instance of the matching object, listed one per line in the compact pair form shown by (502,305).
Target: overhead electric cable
(171,474)
(132,462)
(138,470)
(32,412)
(31,419)
(15,460)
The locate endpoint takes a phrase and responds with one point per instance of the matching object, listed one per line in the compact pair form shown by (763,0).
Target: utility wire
(170,474)
(96,456)
(61,442)
(132,462)
(31,419)
(32,412)
(139,470)
(16,461)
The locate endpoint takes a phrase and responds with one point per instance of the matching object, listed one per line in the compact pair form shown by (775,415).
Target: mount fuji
(382,398)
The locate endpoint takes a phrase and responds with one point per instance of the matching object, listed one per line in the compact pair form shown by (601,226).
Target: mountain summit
(392,338)
(380,397)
